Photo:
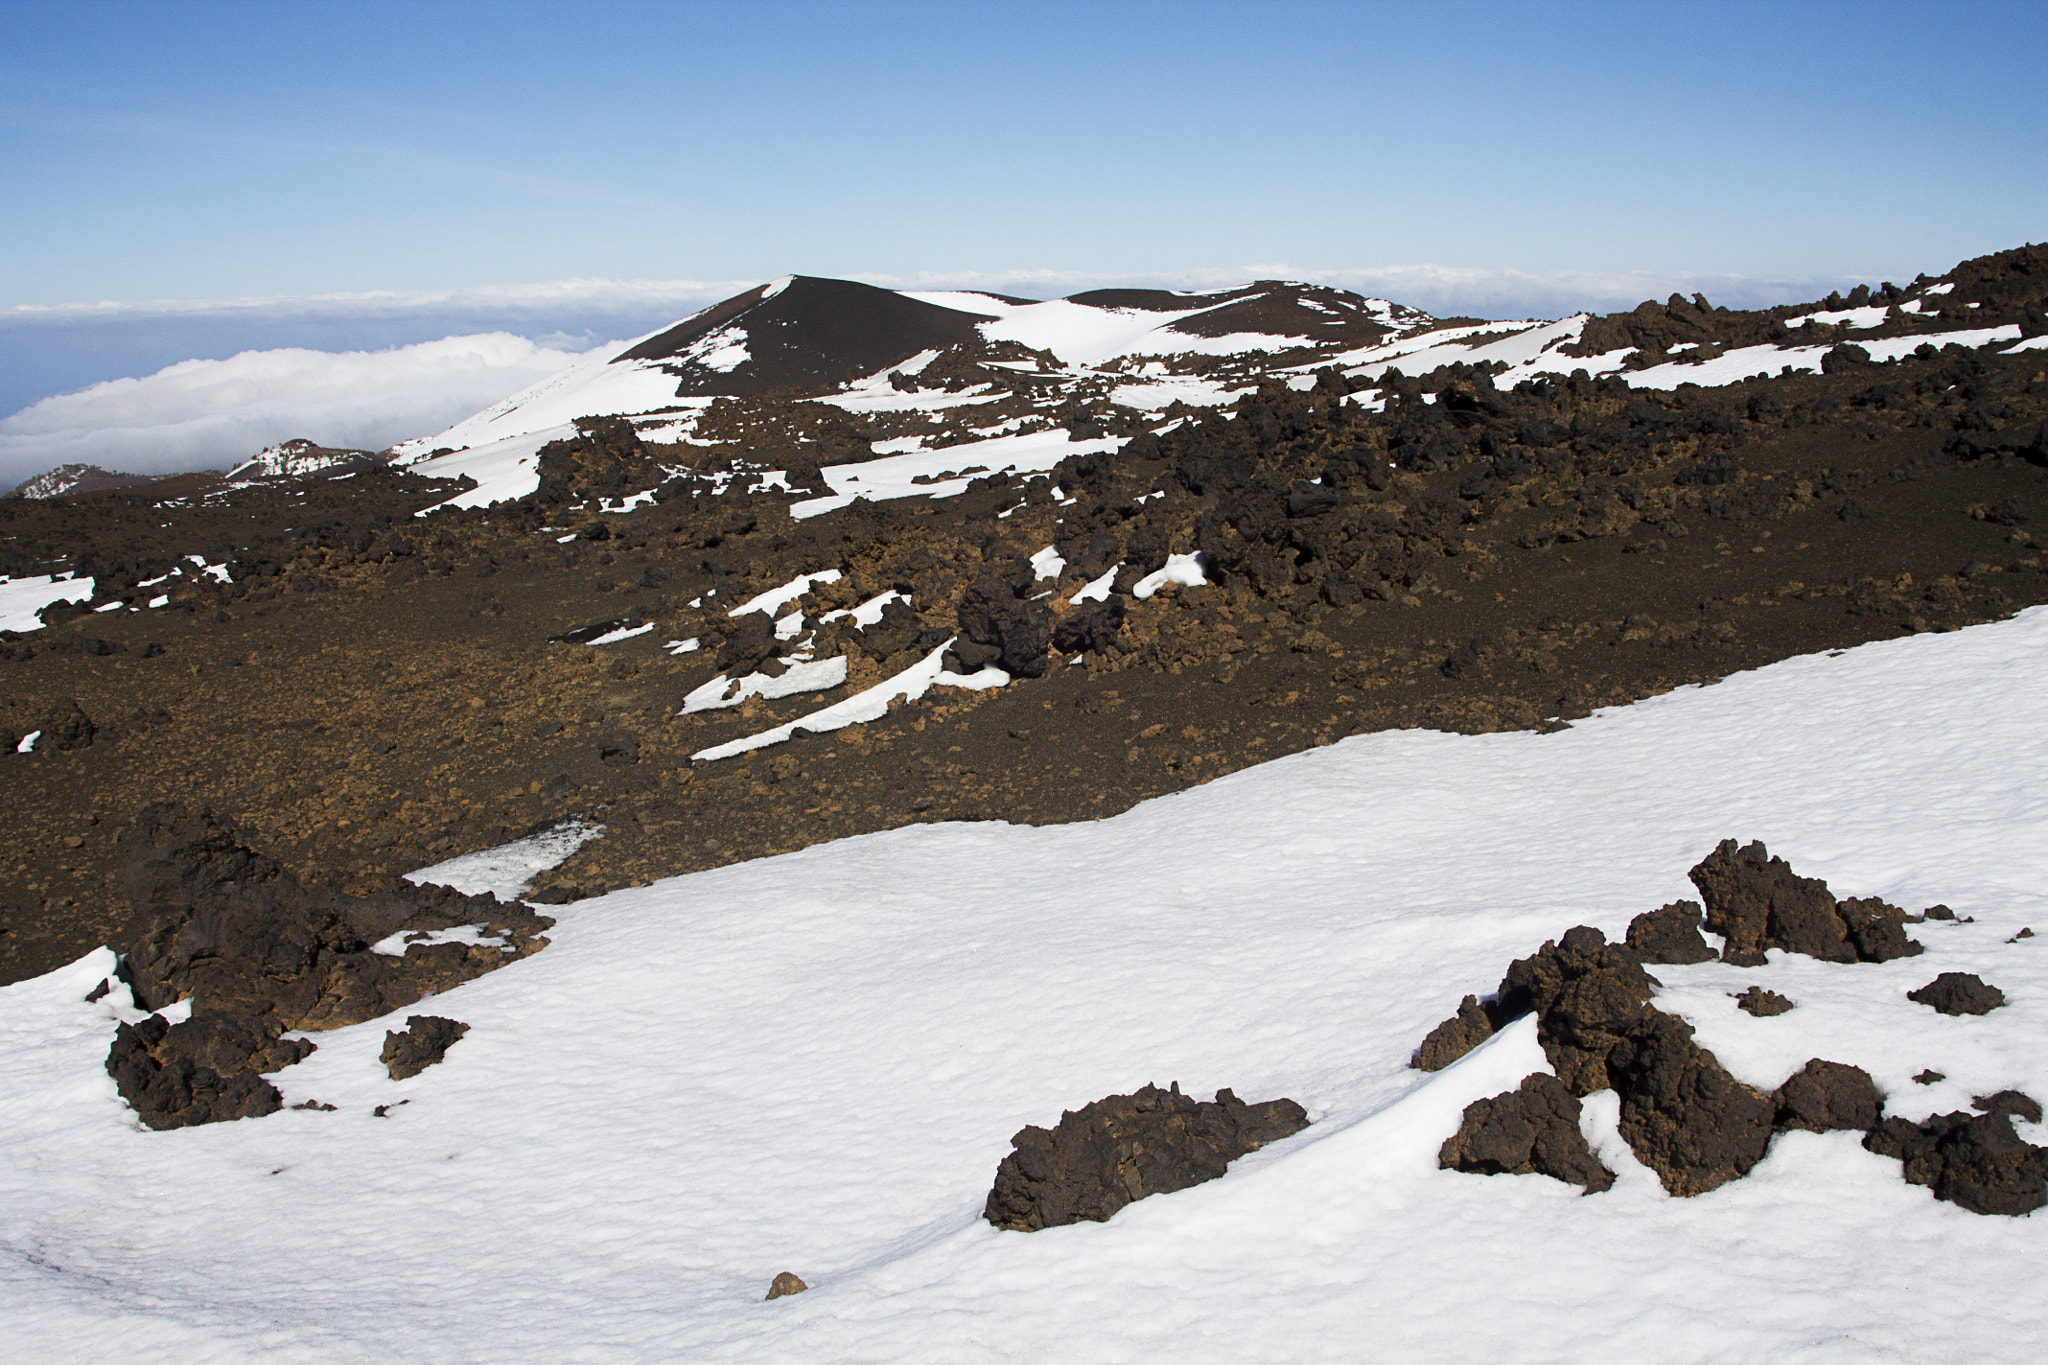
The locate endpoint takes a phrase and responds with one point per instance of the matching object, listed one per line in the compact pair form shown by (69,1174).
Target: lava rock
(1530,1130)
(785,1284)
(1682,1114)
(1877,929)
(219,923)
(1588,995)
(259,953)
(1755,901)
(897,629)
(583,635)
(202,1070)
(1124,1147)
(1959,993)
(66,728)
(751,644)
(1762,1004)
(1825,1097)
(998,627)
(1846,356)
(426,1040)
(1669,935)
(1976,1161)
(1473,1024)
(1091,626)
(2009,1102)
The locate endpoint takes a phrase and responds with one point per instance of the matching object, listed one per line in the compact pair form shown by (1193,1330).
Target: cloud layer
(201,414)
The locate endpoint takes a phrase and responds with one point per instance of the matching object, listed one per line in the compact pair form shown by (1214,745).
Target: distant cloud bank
(201,414)
(185,384)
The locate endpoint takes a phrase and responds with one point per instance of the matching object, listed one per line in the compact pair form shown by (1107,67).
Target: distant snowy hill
(77,478)
(292,459)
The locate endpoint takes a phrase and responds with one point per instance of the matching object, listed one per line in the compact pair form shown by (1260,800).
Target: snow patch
(506,871)
(872,704)
(722,691)
(612,637)
(22,598)
(1186,570)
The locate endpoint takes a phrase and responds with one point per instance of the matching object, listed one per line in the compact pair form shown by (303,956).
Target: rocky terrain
(1210,531)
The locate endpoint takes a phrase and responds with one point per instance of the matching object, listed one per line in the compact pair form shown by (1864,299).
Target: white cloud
(546,298)
(212,413)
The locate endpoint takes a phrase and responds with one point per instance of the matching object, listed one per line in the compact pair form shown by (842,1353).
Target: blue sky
(1535,157)
(198,151)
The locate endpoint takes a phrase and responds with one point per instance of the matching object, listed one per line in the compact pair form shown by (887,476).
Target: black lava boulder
(426,1040)
(1530,1130)
(1124,1147)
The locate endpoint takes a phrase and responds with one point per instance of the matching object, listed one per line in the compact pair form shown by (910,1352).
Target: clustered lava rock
(1682,1113)
(259,954)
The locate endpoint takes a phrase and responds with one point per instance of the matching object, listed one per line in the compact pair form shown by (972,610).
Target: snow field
(814,1063)
(1525,347)
(612,637)
(1743,362)
(1186,570)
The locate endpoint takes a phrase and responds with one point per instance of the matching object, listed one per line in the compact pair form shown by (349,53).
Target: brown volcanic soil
(375,693)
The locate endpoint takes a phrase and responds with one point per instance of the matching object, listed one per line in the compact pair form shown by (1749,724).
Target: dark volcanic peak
(1152,300)
(804,334)
(1314,312)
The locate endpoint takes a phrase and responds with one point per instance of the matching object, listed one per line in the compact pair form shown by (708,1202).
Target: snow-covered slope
(824,338)
(814,1063)
(593,386)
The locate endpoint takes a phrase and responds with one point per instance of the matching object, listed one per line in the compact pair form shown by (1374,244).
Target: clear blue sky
(204,150)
